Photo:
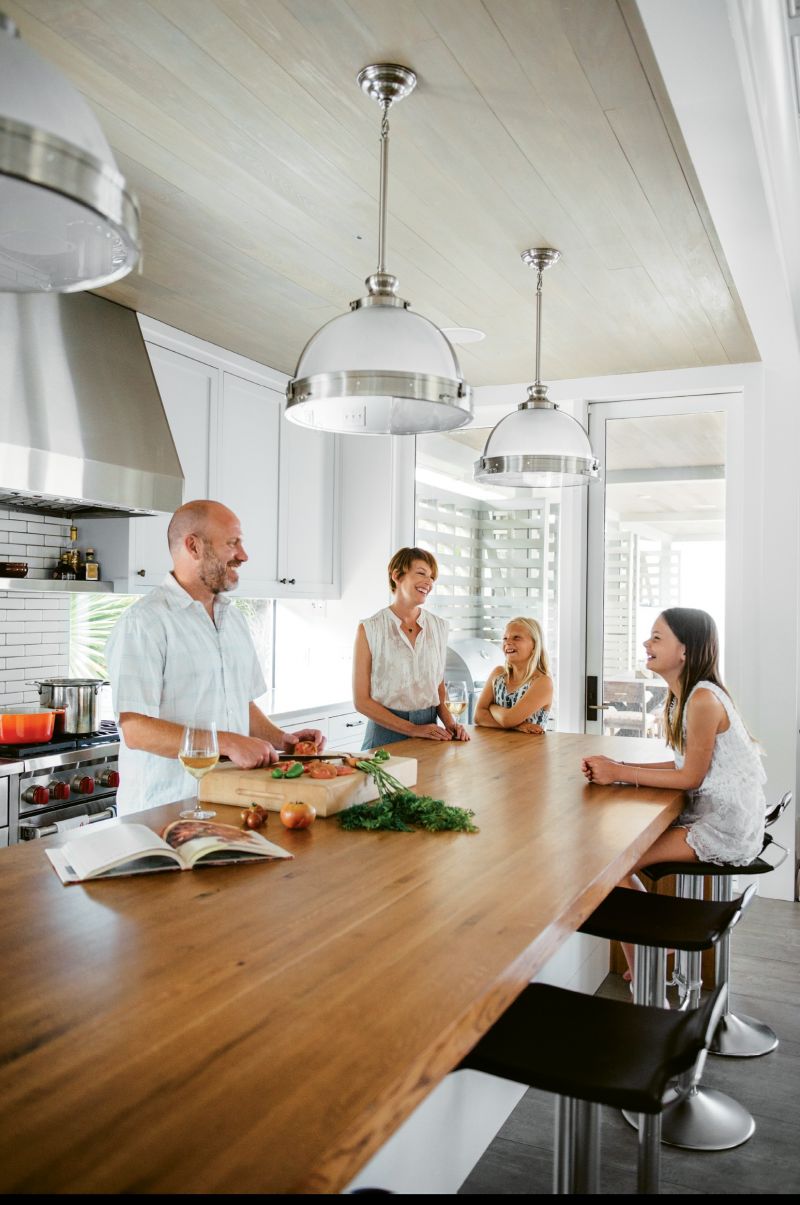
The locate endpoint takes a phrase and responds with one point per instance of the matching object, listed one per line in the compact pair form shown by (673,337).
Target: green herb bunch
(401,810)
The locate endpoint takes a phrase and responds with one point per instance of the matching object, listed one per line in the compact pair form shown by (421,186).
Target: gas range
(61,784)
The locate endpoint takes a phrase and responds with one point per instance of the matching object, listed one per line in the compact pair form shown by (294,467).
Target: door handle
(592,706)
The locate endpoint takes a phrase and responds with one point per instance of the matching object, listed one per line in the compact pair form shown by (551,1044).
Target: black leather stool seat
(590,1048)
(759,865)
(667,922)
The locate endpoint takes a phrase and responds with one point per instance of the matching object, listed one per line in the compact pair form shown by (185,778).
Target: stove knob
(58,790)
(109,778)
(36,795)
(84,786)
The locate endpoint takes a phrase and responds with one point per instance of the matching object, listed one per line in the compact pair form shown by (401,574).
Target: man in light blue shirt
(184,655)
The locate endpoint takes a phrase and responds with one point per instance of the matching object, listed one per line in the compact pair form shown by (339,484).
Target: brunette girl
(716,761)
(518,694)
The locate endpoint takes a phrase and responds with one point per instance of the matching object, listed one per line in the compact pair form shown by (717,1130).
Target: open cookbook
(111,849)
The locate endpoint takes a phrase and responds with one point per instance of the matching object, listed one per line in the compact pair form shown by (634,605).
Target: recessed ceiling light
(463,334)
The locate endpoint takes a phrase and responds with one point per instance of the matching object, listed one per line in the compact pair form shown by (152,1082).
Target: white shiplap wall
(34,627)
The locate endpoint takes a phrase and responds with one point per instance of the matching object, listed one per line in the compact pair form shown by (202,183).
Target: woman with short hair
(399,660)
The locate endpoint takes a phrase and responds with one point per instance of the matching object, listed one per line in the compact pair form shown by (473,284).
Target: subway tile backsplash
(34,628)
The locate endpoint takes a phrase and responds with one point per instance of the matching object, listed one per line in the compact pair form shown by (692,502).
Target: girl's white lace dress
(725,816)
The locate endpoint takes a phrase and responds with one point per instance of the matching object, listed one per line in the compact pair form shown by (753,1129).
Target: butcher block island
(228,784)
(266,1028)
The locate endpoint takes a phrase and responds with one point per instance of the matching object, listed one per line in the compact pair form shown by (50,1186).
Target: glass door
(656,539)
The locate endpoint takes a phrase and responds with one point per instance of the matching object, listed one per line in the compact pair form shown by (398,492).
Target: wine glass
(456,699)
(199,753)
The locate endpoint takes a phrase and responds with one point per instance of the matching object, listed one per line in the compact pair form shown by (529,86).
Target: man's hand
(247,752)
(314,735)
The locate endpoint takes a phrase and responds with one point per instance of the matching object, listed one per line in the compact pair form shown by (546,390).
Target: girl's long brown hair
(697,632)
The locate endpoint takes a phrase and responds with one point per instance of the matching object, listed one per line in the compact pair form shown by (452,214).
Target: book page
(209,842)
(95,854)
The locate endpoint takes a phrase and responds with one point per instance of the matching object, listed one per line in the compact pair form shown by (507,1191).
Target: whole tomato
(298,815)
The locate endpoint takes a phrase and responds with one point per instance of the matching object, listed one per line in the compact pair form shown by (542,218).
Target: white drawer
(299,723)
(346,731)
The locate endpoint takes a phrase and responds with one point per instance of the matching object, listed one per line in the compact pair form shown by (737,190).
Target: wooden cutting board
(229,784)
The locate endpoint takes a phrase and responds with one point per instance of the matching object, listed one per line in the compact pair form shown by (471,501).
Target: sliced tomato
(322,770)
(340,770)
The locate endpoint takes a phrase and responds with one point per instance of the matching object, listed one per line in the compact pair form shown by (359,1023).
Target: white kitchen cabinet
(309,554)
(346,731)
(235,445)
(189,391)
(133,553)
(248,477)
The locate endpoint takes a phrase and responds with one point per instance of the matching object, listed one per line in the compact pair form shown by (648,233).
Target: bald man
(182,655)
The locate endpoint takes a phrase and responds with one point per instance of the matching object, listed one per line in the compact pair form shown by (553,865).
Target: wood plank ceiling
(254,154)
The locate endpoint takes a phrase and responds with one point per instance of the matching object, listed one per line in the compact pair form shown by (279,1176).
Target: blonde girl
(519,694)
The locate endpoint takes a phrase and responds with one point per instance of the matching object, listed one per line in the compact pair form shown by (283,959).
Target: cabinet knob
(354,724)
(141,572)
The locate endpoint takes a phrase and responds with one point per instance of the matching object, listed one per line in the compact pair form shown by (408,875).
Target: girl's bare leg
(671,846)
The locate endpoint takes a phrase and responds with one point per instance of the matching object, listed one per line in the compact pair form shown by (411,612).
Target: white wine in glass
(456,699)
(199,753)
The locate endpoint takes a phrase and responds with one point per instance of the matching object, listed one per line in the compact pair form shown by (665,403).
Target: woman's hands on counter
(435,732)
(431,732)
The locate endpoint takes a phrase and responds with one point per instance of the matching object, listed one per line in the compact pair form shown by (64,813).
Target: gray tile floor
(765,983)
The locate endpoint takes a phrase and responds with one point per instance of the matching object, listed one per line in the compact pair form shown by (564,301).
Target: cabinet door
(188,390)
(309,530)
(249,441)
(346,731)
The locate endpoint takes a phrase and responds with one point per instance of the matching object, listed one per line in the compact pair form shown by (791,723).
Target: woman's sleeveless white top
(406,677)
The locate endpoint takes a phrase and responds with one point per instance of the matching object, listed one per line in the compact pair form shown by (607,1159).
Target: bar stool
(590,1051)
(737,1036)
(654,923)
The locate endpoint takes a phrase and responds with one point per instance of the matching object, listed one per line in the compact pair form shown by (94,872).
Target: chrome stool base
(704,1120)
(741,1037)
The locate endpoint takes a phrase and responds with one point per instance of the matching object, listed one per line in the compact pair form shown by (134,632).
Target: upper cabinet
(235,446)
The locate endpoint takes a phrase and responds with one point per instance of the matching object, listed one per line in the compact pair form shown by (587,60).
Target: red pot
(23,727)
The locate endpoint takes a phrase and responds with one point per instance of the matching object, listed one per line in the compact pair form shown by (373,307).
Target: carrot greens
(400,810)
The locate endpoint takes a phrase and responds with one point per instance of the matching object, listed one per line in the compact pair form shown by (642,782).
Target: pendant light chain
(382,202)
(538,380)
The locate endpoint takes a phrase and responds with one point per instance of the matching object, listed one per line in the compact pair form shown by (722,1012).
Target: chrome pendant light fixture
(380,369)
(67,219)
(537,445)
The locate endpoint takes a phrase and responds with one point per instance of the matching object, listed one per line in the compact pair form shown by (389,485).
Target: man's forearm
(151,735)
(263,727)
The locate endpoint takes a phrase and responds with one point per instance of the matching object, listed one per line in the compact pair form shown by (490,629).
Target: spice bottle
(91,569)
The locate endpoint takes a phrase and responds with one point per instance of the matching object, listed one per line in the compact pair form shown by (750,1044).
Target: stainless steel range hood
(82,426)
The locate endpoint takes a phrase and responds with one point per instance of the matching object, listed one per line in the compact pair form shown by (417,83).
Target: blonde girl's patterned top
(507,698)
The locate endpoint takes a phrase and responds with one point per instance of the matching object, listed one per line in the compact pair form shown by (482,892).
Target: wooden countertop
(265,1028)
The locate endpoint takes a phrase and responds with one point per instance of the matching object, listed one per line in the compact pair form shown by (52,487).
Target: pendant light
(537,445)
(67,219)
(380,369)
